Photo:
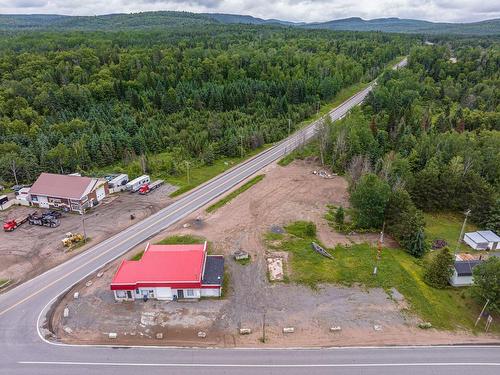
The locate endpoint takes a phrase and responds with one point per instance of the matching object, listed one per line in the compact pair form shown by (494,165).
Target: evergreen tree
(439,271)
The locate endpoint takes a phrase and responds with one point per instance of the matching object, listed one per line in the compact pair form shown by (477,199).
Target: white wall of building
(212,292)
(474,245)
(460,280)
(166,294)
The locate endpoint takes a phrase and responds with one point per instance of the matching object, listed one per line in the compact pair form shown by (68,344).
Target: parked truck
(46,219)
(12,224)
(136,183)
(146,188)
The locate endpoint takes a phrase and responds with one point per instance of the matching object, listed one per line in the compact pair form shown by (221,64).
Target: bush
(369,200)
(487,283)
(439,271)
(339,217)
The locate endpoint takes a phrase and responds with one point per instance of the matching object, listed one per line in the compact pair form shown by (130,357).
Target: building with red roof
(169,272)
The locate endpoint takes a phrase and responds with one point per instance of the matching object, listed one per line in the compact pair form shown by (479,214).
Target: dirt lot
(31,250)
(366,317)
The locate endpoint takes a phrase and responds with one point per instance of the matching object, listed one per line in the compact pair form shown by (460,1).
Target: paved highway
(23,349)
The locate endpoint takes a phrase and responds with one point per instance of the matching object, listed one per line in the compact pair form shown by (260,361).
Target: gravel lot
(30,250)
(367,317)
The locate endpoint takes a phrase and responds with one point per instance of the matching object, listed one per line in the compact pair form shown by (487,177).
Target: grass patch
(228,198)
(174,240)
(447,226)
(201,174)
(138,256)
(309,149)
(450,308)
(226,283)
(184,239)
(244,262)
(4,283)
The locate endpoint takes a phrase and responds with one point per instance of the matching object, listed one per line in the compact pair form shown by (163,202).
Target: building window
(189,293)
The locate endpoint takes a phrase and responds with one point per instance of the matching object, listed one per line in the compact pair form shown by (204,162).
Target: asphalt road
(23,349)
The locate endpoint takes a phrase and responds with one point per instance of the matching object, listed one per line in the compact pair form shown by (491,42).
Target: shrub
(439,270)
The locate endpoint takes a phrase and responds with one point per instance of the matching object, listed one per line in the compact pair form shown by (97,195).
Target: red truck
(10,225)
(146,188)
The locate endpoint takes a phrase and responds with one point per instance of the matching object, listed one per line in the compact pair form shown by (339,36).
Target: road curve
(22,310)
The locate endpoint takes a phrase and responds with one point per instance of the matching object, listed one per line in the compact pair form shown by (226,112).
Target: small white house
(482,240)
(462,272)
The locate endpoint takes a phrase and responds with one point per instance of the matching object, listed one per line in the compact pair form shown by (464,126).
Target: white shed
(462,272)
(482,240)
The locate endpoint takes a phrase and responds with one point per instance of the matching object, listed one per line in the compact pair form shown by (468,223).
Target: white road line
(197,365)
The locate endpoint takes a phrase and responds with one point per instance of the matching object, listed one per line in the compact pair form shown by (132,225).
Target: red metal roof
(162,265)
(62,186)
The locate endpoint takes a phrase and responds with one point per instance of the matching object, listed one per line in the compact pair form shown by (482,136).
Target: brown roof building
(75,193)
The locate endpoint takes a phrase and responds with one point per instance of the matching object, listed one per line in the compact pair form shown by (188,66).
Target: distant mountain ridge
(169,19)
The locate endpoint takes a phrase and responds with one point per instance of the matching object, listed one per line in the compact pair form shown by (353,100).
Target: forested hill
(169,19)
(397,25)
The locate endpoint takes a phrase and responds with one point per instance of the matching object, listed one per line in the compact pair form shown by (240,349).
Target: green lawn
(174,240)
(228,198)
(4,283)
(446,309)
(447,226)
(201,174)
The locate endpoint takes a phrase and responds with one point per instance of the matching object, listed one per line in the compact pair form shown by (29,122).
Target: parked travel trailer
(118,181)
(136,183)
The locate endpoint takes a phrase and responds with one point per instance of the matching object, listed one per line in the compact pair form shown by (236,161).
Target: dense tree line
(430,132)
(77,101)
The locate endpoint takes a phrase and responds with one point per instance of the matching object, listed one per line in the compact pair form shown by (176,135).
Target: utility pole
(187,170)
(379,250)
(467,213)
(241,145)
(289,126)
(481,313)
(264,328)
(317,111)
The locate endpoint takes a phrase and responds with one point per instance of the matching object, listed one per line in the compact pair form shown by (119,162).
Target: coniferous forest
(78,101)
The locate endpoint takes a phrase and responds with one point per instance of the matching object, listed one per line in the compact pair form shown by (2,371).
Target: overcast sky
(292,10)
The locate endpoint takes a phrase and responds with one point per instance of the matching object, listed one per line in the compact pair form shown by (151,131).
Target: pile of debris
(439,244)
(324,174)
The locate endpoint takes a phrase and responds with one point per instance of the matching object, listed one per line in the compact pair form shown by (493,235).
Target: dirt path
(367,317)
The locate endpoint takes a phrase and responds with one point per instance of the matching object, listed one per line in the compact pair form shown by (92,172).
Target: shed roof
(476,237)
(163,264)
(464,267)
(489,235)
(62,186)
(214,270)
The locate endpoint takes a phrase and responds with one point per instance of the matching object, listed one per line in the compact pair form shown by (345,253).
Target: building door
(129,294)
(180,293)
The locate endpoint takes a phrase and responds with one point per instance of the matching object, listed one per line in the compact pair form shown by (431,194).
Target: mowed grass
(174,240)
(447,226)
(445,308)
(202,174)
(228,198)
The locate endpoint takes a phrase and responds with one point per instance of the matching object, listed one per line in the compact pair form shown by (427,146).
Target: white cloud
(293,10)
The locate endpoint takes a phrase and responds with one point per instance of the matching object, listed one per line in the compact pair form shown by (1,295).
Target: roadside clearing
(214,207)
